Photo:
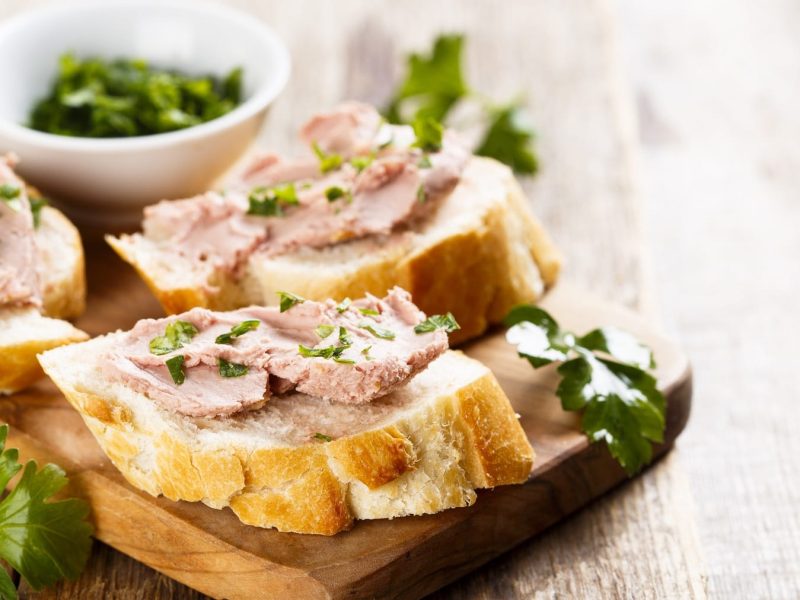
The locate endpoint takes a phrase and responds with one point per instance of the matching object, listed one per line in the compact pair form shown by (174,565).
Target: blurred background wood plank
(717,87)
(718,91)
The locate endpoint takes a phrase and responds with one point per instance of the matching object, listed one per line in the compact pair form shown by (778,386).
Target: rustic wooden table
(719,126)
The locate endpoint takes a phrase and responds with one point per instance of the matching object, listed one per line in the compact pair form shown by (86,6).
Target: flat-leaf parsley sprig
(41,539)
(604,375)
(435,83)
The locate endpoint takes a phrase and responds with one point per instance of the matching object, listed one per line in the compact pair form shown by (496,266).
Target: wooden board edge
(591,467)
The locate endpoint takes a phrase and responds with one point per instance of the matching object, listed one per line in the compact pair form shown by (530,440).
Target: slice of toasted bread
(24,332)
(421,449)
(481,253)
(62,265)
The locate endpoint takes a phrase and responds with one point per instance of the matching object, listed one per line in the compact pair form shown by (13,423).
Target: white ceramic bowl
(111,179)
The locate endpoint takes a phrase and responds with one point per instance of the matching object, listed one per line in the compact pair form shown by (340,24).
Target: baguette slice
(62,265)
(421,449)
(24,332)
(478,255)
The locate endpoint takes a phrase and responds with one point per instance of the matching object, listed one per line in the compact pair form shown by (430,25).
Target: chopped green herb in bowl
(100,98)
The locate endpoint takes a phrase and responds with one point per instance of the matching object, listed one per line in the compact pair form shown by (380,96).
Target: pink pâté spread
(367,178)
(19,279)
(207,364)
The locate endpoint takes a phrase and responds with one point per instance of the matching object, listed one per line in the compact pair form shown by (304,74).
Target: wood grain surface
(716,92)
(211,551)
(563,57)
(717,85)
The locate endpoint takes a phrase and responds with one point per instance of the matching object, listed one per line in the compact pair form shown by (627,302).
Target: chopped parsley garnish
(370,312)
(434,322)
(177,334)
(344,337)
(270,201)
(42,538)
(344,361)
(327,162)
(435,83)
(229,369)
(343,305)
(429,133)
(604,376)
(330,352)
(322,437)
(288,300)
(237,330)
(97,98)
(36,209)
(424,162)
(175,368)
(422,195)
(334,192)
(379,332)
(9,193)
(324,330)
(362,162)
(365,352)
(326,352)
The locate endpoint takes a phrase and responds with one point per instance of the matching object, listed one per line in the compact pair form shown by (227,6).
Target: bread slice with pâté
(481,253)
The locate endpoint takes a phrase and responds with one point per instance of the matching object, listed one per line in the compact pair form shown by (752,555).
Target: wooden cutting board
(213,552)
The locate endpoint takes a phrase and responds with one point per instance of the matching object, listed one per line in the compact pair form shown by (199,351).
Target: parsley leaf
(270,201)
(434,322)
(509,139)
(369,312)
(177,334)
(10,193)
(44,541)
(327,162)
(379,332)
(603,375)
(344,337)
(432,86)
(435,82)
(36,209)
(429,134)
(288,300)
(237,330)
(324,330)
(335,192)
(322,437)
(175,368)
(326,352)
(329,352)
(362,162)
(343,305)
(229,369)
